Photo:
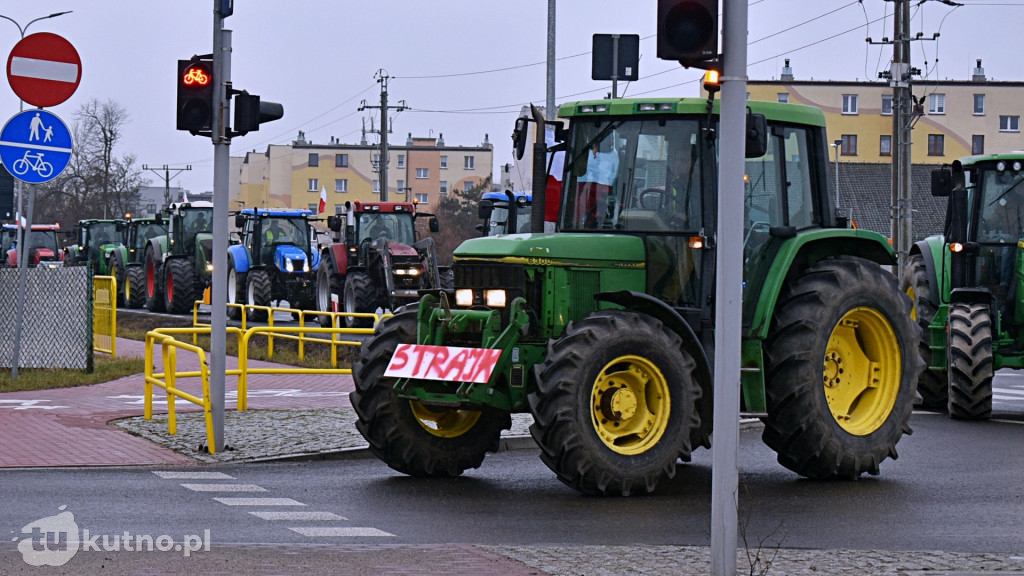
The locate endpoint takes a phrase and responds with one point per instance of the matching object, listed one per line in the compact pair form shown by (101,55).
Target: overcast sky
(463,67)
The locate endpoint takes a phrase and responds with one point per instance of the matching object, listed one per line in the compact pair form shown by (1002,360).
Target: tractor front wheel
(328,285)
(179,287)
(258,294)
(409,436)
(841,370)
(970,361)
(615,404)
(236,291)
(117,271)
(154,298)
(135,287)
(360,298)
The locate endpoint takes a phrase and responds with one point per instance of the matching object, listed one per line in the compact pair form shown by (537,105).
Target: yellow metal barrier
(104,315)
(169,377)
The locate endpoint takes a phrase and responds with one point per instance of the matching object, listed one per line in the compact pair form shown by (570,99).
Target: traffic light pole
(221,175)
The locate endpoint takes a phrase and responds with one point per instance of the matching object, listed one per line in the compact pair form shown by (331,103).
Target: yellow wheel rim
(630,405)
(862,371)
(444,423)
(913,300)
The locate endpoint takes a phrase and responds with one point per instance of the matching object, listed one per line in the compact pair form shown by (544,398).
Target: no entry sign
(44,69)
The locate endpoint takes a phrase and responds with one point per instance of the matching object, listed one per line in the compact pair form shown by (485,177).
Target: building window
(978,144)
(314,207)
(422,173)
(341,160)
(444,187)
(849,144)
(936,145)
(341,184)
(401,160)
(849,103)
(444,162)
(401,186)
(885,145)
(782,97)
(470,163)
(887,105)
(376,186)
(314,160)
(314,184)
(1009,123)
(979,104)
(423,198)
(936,103)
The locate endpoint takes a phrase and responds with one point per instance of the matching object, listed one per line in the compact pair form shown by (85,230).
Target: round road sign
(35,146)
(44,69)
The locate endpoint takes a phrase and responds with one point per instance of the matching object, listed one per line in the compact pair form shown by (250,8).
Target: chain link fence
(57,323)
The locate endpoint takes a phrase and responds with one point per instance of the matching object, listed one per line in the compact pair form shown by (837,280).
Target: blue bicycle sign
(35,146)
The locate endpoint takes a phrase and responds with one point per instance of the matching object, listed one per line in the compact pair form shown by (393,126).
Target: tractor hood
(570,249)
(399,249)
(291,258)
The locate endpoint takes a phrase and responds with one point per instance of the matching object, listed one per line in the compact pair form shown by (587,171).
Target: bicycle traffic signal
(688,31)
(195,95)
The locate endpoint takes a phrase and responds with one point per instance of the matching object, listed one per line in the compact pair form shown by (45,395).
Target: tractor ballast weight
(376,261)
(967,284)
(604,331)
(276,260)
(179,264)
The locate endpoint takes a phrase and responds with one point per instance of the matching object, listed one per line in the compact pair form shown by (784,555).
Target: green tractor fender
(932,249)
(805,250)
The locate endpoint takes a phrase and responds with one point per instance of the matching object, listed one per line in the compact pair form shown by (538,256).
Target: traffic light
(195,95)
(250,112)
(688,31)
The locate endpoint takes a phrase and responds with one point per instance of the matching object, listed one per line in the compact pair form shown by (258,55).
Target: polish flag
(323,200)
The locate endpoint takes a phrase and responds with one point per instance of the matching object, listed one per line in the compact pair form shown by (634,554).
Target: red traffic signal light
(195,95)
(688,31)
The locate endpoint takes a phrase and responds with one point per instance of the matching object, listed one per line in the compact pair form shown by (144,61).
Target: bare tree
(97,183)
(459,216)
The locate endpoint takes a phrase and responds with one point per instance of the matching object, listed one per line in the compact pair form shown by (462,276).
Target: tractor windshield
(101,233)
(42,239)
(1001,196)
(286,231)
(395,226)
(499,224)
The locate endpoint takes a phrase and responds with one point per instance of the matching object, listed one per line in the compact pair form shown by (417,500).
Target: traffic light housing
(250,112)
(195,95)
(688,32)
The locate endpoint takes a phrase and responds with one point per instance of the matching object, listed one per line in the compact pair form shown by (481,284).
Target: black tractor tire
(932,385)
(841,370)
(236,290)
(135,287)
(257,292)
(328,283)
(179,287)
(154,283)
(615,404)
(117,271)
(411,437)
(360,297)
(970,361)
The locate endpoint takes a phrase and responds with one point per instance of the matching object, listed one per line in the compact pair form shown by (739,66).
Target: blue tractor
(505,212)
(276,260)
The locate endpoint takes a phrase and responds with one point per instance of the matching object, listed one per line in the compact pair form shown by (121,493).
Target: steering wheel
(652,199)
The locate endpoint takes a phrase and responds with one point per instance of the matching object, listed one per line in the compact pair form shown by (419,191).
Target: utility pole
(167,179)
(549,102)
(385,129)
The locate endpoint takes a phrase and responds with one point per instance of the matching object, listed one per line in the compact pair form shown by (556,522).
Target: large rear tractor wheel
(932,385)
(328,286)
(135,287)
(154,297)
(360,297)
(179,287)
(842,365)
(236,290)
(258,294)
(970,361)
(615,404)
(411,437)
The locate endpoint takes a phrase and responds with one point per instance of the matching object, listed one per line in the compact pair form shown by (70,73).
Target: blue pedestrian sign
(35,146)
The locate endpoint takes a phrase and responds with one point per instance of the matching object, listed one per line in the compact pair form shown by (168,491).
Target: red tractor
(44,248)
(376,261)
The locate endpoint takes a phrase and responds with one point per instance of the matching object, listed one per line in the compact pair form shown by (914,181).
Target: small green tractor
(95,239)
(125,260)
(604,331)
(179,264)
(967,285)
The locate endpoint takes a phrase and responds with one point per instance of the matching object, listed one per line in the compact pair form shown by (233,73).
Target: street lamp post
(838,145)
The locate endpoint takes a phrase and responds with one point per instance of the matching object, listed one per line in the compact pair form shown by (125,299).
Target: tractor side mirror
(757,136)
(942,182)
(334,223)
(239,221)
(435,225)
(519,137)
(485,209)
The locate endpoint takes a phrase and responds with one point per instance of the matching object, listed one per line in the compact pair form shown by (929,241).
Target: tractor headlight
(407,272)
(464,297)
(289,267)
(494,298)
(305,265)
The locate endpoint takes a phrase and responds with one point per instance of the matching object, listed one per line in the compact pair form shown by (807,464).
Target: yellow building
(956,118)
(421,169)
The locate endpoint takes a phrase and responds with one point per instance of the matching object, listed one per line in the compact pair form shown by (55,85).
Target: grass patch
(105,370)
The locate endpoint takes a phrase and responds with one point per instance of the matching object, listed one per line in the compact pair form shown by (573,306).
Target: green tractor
(179,264)
(968,284)
(604,331)
(95,239)
(125,260)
